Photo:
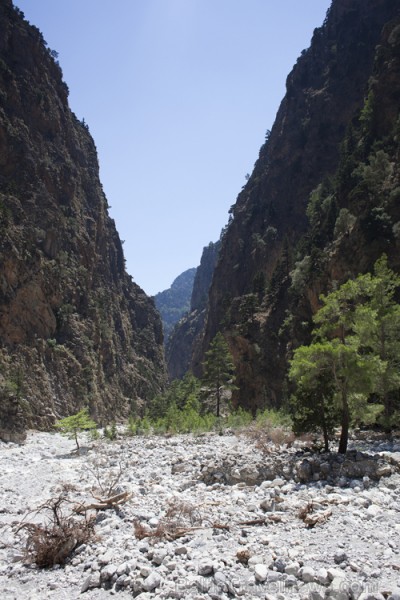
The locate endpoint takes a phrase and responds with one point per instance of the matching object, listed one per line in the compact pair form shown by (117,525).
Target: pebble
(152,582)
(205,568)
(307,574)
(260,572)
(281,558)
(312,591)
(339,557)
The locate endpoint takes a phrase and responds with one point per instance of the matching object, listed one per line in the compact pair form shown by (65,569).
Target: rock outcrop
(174,302)
(186,336)
(74,328)
(322,202)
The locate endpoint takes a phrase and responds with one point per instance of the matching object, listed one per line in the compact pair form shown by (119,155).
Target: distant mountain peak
(174,302)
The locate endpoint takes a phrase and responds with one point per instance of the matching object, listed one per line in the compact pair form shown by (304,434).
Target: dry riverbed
(197,526)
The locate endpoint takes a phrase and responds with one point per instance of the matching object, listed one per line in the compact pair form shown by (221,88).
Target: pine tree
(378,328)
(75,424)
(340,365)
(314,406)
(218,369)
(355,351)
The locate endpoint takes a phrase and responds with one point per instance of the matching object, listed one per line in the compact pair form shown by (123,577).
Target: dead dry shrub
(141,531)
(305,510)
(163,531)
(312,517)
(180,518)
(270,438)
(180,511)
(281,437)
(106,483)
(243,556)
(51,543)
(68,487)
(107,492)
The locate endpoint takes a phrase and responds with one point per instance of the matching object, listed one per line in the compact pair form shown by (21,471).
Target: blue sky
(178,95)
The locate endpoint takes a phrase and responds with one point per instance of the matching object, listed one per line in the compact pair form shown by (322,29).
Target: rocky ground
(209,517)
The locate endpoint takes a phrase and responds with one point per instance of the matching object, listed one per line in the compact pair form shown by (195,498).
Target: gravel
(242,540)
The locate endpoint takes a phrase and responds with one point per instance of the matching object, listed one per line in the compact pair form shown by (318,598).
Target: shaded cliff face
(186,336)
(281,249)
(74,328)
(174,302)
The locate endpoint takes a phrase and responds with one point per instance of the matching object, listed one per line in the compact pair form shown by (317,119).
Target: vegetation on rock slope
(320,207)
(74,329)
(321,204)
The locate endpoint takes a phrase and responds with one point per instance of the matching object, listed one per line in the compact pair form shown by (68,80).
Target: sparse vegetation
(111,432)
(51,543)
(219,371)
(180,517)
(75,424)
(270,430)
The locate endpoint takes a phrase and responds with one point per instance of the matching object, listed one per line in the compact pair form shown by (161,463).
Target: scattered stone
(280,565)
(205,568)
(232,547)
(307,574)
(373,511)
(340,556)
(261,572)
(292,568)
(339,589)
(267,505)
(152,582)
(108,572)
(322,577)
(312,591)
(93,581)
(159,556)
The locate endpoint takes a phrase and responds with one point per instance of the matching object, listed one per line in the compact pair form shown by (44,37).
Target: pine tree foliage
(353,356)
(218,370)
(74,424)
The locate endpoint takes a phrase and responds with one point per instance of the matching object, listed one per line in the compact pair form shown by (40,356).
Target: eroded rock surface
(74,328)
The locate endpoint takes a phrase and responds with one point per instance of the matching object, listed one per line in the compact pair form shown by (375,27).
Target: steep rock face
(266,249)
(174,302)
(74,328)
(187,332)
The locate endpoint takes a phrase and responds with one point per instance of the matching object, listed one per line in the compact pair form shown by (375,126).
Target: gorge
(320,206)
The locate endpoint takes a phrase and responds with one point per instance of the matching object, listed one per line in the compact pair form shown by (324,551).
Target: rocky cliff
(174,302)
(74,329)
(322,202)
(187,333)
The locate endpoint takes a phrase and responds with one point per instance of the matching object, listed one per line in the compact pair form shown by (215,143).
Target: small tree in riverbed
(314,406)
(349,377)
(75,424)
(218,369)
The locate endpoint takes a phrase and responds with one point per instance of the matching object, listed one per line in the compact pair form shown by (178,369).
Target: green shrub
(73,425)
(239,418)
(273,418)
(111,433)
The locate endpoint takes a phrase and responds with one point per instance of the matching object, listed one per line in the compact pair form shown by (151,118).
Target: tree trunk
(325,431)
(385,394)
(326,438)
(77,442)
(344,436)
